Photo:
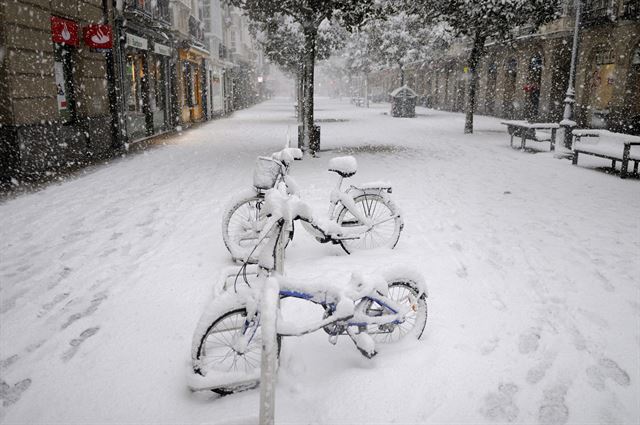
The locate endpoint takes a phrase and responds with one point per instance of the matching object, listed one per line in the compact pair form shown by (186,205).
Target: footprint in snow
(529,341)
(76,342)
(56,300)
(93,307)
(499,406)
(553,410)
(10,394)
(489,346)
(607,369)
(538,372)
(8,361)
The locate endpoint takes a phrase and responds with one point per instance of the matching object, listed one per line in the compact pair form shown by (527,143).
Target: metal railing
(154,9)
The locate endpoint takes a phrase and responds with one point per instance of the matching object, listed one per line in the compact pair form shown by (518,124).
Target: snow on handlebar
(287,155)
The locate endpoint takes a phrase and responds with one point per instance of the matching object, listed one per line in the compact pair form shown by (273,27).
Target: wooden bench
(609,145)
(533,131)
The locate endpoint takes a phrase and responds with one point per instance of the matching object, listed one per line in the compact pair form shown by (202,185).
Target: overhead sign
(161,49)
(98,36)
(137,42)
(64,31)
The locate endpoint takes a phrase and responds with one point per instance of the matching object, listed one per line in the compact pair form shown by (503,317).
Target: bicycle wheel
(404,292)
(216,353)
(387,223)
(242,223)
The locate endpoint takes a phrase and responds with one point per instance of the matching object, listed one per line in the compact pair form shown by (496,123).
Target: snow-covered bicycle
(360,217)
(238,338)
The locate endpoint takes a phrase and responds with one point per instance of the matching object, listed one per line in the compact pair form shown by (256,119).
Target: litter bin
(403,102)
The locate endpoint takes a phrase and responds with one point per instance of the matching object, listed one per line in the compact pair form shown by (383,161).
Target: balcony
(195,29)
(150,9)
(597,12)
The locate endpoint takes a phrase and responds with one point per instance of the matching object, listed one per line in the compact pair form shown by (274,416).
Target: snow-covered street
(532,266)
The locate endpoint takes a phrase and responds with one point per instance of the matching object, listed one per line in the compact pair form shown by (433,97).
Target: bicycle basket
(266,173)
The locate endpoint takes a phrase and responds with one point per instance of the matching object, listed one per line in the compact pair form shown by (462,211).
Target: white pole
(269,329)
(568,122)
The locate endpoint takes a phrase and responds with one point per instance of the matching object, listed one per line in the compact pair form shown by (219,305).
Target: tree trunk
(366,90)
(309,62)
(401,75)
(474,58)
(300,93)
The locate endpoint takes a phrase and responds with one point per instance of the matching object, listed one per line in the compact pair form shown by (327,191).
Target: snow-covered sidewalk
(532,267)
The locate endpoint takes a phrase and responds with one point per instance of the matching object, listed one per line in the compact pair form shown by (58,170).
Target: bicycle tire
(241,225)
(403,291)
(385,234)
(220,357)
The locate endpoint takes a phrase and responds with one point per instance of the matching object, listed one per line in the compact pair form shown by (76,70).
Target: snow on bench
(537,132)
(606,144)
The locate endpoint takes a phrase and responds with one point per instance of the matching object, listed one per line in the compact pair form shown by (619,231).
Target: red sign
(64,31)
(98,36)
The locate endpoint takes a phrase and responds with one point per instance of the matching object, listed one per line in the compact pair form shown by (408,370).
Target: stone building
(214,40)
(528,77)
(144,59)
(82,79)
(54,87)
(191,69)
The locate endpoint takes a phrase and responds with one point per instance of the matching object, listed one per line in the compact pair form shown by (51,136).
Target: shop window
(597,8)
(604,56)
(158,98)
(603,78)
(65,88)
(188,85)
(635,59)
(490,97)
(135,77)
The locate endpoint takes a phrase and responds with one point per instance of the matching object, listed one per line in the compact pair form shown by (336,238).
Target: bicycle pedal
(364,343)
(333,339)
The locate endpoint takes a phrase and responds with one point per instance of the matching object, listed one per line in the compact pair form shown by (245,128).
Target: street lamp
(568,122)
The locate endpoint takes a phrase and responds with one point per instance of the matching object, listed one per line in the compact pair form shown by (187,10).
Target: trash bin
(403,102)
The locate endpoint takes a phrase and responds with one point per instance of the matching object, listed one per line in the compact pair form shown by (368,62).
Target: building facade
(81,80)
(528,78)
(55,87)
(143,62)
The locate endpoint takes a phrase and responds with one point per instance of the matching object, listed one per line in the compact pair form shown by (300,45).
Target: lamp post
(568,122)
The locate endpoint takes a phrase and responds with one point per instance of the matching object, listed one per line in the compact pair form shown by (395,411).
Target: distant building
(214,33)
(529,78)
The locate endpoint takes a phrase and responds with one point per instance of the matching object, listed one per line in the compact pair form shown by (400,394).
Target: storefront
(216,97)
(136,86)
(159,84)
(146,87)
(192,84)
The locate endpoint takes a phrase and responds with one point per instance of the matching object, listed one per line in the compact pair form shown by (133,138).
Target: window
(604,56)
(631,9)
(206,15)
(635,60)
(597,8)
(135,76)
(65,88)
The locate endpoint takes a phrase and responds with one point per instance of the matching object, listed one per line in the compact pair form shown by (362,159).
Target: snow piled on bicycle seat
(531,265)
(343,164)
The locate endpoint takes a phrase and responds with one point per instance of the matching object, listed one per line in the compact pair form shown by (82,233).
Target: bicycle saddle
(345,166)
